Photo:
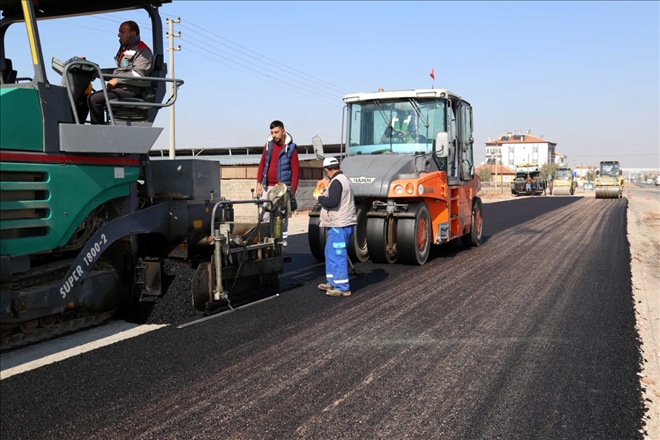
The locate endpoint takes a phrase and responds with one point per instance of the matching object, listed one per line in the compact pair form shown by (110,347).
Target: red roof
(519,139)
(496,169)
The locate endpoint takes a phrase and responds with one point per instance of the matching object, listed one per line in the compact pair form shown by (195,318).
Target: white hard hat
(330,161)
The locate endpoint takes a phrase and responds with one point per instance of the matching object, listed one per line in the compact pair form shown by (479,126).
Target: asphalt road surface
(530,336)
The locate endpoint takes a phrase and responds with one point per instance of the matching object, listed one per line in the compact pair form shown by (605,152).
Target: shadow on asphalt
(364,277)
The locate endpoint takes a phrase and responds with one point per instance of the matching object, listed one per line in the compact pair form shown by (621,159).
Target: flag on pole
(433,72)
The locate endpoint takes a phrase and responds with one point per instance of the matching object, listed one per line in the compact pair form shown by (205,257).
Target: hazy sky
(584,75)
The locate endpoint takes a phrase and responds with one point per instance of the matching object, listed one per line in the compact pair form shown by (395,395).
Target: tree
(548,169)
(485,174)
(591,176)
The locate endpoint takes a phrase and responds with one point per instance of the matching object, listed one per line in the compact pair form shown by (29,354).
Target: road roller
(609,180)
(409,155)
(564,183)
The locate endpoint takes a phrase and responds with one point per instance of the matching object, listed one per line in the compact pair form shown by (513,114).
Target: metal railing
(118,103)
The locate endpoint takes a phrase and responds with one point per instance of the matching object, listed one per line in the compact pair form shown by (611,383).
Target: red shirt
(272,166)
(271,177)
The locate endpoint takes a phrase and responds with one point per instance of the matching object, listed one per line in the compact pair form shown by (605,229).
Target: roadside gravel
(644,238)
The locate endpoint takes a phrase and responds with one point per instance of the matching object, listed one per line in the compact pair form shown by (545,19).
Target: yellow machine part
(608,188)
(561,190)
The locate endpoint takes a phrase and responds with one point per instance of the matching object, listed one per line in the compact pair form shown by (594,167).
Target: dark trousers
(96,103)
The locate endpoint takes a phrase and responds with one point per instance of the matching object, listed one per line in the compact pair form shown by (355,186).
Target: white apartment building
(561,160)
(517,148)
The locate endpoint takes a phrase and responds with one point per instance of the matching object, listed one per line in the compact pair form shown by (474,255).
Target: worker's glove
(316,195)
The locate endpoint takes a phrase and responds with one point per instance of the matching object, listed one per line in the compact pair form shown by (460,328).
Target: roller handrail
(111,103)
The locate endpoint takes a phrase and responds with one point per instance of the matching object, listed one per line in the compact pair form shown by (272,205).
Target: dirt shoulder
(496,195)
(644,238)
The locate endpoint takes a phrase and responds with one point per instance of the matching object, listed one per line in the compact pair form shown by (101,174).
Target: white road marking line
(217,315)
(48,352)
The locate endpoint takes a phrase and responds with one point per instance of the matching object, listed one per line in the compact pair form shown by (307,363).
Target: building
(561,160)
(516,148)
(581,171)
(499,175)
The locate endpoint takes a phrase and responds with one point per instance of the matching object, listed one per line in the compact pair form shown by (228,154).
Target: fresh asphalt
(530,336)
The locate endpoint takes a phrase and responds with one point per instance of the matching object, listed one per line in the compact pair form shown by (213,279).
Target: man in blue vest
(279,163)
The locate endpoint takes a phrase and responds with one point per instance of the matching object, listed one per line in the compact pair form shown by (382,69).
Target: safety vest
(402,126)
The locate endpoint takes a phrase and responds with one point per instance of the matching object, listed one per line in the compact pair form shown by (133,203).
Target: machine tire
(377,229)
(474,237)
(413,236)
(316,236)
(358,250)
(124,260)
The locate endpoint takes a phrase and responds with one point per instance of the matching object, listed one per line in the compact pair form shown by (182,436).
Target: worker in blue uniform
(338,216)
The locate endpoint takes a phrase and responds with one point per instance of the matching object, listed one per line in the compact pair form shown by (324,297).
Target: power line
(81,26)
(255,76)
(296,83)
(185,39)
(295,73)
(610,154)
(270,60)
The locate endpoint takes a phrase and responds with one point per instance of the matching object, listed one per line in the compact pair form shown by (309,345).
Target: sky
(583,75)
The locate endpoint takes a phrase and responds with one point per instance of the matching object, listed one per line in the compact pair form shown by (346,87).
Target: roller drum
(561,191)
(607,192)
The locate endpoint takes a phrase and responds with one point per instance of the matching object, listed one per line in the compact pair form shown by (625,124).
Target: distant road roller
(564,183)
(609,181)
(409,156)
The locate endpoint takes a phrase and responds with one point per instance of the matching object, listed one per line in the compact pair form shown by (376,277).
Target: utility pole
(496,160)
(499,158)
(171,36)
